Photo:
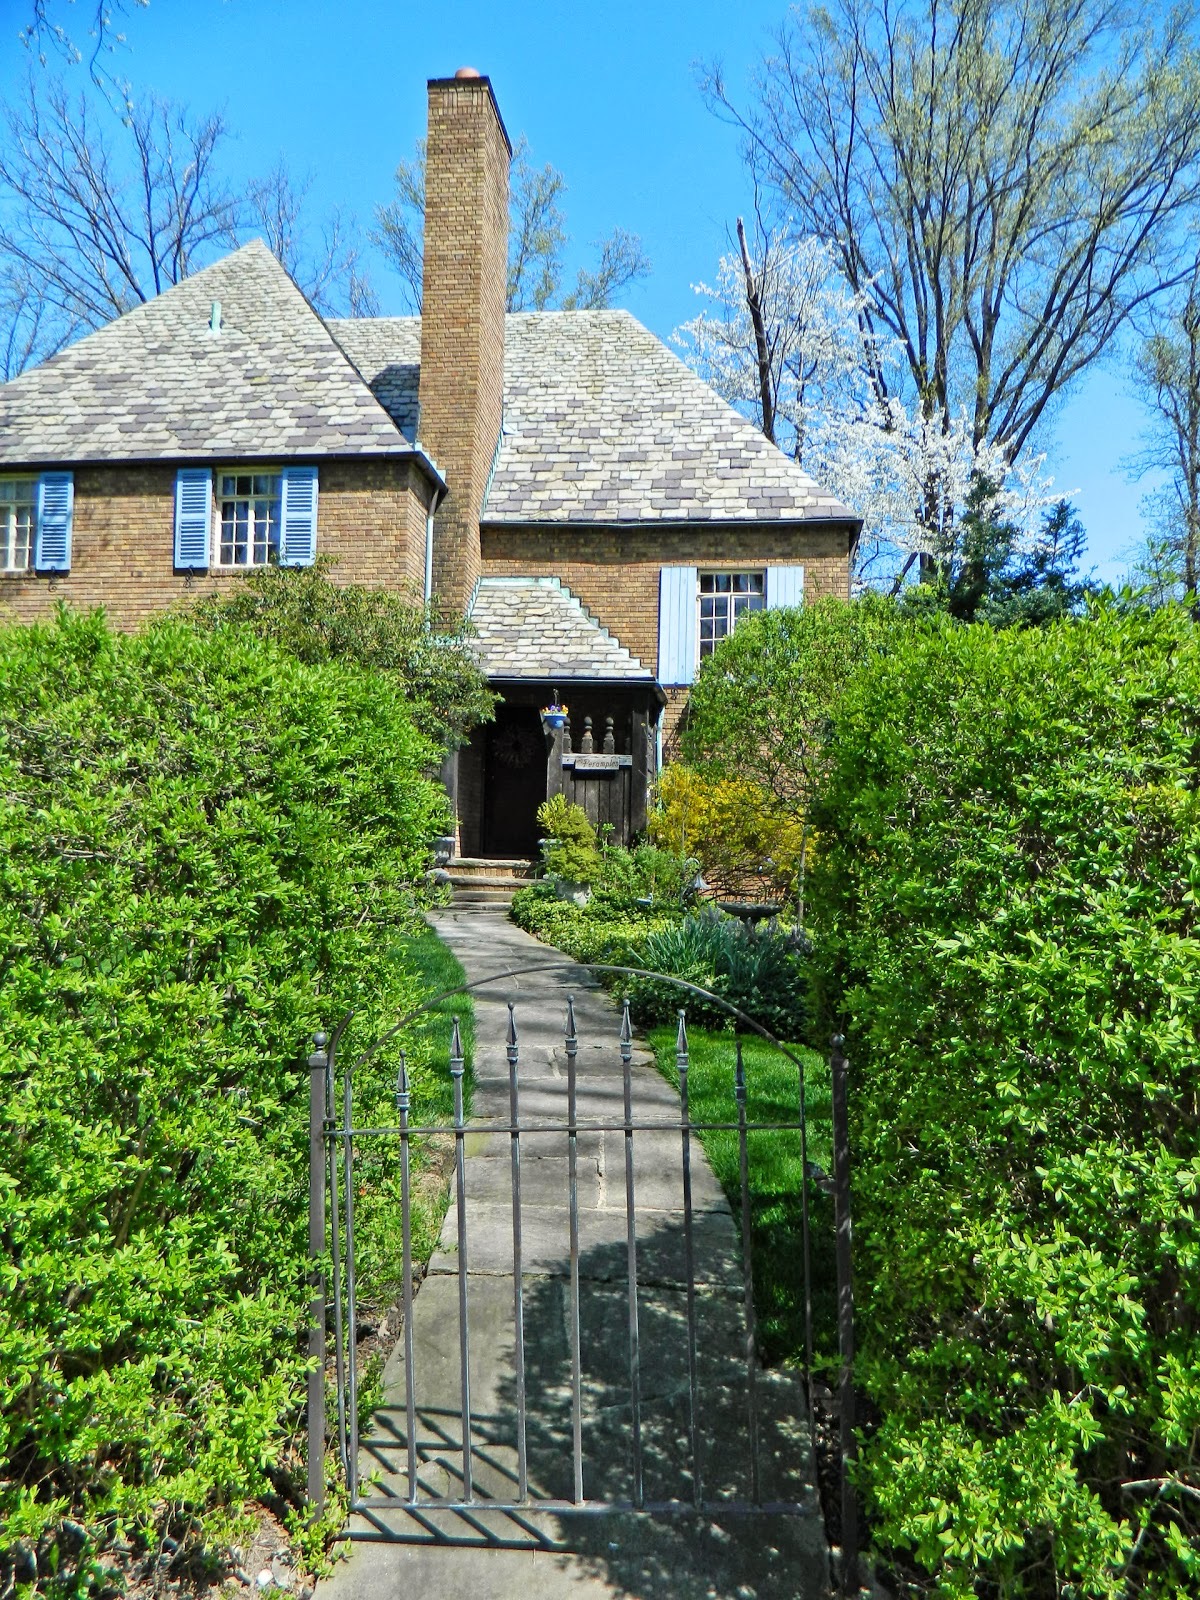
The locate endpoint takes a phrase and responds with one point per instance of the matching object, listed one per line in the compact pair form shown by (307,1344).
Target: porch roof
(535,628)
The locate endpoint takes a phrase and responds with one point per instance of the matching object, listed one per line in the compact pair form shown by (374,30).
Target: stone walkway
(523,1555)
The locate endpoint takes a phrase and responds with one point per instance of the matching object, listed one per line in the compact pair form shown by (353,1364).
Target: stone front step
(491,869)
(482,899)
(481,880)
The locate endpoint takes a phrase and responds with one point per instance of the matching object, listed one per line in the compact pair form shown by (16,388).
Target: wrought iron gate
(468,1447)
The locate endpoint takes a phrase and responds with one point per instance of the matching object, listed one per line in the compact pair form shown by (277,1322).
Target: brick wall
(370,520)
(615,571)
(462,316)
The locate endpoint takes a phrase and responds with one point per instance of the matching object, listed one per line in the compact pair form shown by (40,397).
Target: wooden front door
(514,782)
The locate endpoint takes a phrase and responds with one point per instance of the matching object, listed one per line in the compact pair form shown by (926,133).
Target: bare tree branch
(537,240)
(44,33)
(1005,182)
(537,233)
(1166,378)
(757,321)
(622,261)
(100,228)
(330,273)
(104,209)
(29,333)
(400,226)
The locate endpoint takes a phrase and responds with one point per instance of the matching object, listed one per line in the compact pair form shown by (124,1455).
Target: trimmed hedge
(1007,901)
(207,849)
(589,933)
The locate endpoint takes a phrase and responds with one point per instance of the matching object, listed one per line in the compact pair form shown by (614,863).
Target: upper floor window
(248,518)
(18,517)
(724,597)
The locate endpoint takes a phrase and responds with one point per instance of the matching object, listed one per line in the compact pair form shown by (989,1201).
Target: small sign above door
(586,763)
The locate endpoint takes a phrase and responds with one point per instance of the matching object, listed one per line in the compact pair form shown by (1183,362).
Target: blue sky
(606,91)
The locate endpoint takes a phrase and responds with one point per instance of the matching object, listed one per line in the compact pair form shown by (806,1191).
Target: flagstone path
(525,1554)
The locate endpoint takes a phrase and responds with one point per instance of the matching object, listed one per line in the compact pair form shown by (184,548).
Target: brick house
(561,477)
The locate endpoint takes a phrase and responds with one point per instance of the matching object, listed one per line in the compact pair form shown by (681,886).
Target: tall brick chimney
(462,315)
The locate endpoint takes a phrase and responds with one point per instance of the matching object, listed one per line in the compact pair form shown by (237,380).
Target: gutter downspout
(429,551)
(440,491)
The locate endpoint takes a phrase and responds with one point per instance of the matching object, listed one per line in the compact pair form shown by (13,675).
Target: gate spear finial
(510,1040)
(626,1032)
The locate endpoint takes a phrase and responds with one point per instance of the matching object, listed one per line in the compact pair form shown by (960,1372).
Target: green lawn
(377,1168)
(437,969)
(775,1174)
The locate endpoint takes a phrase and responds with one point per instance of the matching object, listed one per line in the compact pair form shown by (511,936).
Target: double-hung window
(18,520)
(698,608)
(236,519)
(248,518)
(723,598)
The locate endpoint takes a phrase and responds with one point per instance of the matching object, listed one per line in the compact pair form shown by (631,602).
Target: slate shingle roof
(536,628)
(158,384)
(387,351)
(603,424)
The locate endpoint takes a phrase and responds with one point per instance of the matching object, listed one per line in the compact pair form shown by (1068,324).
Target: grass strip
(775,1174)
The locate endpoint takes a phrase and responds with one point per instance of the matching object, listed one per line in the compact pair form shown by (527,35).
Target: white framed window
(723,598)
(18,522)
(247,518)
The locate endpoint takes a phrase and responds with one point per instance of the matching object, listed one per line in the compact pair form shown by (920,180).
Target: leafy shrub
(573,854)
(626,878)
(1006,896)
(760,708)
(315,619)
(207,849)
(691,949)
(745,840)
(587,933)
(759,970)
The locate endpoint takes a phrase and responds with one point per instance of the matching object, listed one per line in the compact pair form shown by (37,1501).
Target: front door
(514,782)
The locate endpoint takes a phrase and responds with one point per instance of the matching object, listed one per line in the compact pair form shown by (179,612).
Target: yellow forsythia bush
(746,842)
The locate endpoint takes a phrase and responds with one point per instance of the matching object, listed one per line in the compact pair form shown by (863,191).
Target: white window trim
(7,522)
(258,470)
(725,572)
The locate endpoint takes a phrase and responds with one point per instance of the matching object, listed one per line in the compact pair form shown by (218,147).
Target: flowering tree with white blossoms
(784,338)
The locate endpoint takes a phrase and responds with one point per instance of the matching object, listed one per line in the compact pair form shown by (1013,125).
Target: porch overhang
(534,630)
(580,684)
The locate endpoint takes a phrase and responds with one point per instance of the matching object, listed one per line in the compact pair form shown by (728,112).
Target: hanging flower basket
(554,716)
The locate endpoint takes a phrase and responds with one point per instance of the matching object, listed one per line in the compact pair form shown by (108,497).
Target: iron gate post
(318,1063)
(838,1068)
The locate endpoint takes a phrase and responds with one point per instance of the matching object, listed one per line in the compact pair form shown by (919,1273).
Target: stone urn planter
(577,893)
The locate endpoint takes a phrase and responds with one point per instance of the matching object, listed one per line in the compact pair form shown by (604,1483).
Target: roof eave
(844,518)
(402,452)
(588,680)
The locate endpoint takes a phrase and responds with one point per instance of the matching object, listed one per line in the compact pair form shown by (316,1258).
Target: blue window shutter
(298,531)
(785,587)
(55,511)
(677,591)
(193,517)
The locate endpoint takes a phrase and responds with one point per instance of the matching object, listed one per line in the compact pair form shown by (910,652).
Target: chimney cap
(470,75)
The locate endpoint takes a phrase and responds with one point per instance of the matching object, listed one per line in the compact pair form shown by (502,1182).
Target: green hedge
(587,933)
(207,849)
(1006,895)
